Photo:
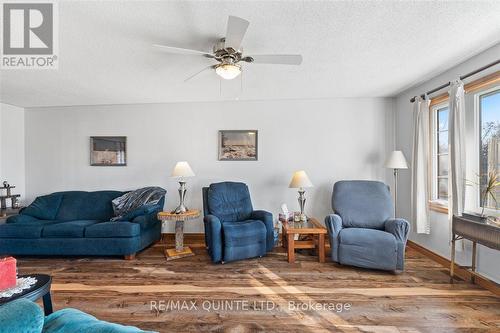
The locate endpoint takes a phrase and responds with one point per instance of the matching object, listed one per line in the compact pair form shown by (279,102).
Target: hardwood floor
(267,294)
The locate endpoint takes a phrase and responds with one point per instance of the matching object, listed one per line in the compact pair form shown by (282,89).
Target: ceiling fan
(229,53)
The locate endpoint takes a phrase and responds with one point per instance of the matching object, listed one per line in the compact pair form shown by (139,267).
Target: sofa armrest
(333,224)
(21,315)
(399,227)
(21,218)
(213,232)
(267,219)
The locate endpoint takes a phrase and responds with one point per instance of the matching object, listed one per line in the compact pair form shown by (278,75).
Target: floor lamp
(396,161)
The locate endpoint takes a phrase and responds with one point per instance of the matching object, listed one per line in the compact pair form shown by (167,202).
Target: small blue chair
(233,230)
(25,316)
(362,231)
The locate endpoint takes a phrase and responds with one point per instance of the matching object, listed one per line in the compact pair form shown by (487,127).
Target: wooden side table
(180,251)
(311,227)
(7,212)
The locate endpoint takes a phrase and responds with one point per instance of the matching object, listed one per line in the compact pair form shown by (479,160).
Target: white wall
(12,166)
(438,240)
(330,139)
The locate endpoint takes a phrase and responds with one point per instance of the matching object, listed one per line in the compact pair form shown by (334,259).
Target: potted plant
(492,184)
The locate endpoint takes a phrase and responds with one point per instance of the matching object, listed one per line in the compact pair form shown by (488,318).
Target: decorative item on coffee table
(180,251)
(14,198)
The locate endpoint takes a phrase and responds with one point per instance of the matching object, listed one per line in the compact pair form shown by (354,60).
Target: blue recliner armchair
(24,316)
(362,231)
(233,230)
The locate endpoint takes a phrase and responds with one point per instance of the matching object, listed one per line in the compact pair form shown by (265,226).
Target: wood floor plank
(280,297)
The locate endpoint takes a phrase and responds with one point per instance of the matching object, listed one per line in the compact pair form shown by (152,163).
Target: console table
(479,232)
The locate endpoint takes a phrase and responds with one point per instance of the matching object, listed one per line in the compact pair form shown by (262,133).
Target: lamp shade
(300,180)
(182,169)
(396,160)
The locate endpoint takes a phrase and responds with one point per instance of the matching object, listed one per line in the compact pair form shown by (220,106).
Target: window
(482,146)
(440,152)
(489,144)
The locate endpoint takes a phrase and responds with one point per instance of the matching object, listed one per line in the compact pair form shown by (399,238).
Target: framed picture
(108,150)
(238,145)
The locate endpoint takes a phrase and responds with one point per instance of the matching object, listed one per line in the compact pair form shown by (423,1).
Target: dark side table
(41,289)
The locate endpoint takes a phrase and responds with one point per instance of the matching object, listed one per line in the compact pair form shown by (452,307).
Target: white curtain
(456,142)
(420,167)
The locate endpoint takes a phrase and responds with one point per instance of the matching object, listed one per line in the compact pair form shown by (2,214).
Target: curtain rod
(463,77)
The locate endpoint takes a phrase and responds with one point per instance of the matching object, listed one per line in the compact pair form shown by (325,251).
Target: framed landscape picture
(108,150)
(238,145)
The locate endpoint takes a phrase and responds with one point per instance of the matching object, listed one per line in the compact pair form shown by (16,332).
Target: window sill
(438,206)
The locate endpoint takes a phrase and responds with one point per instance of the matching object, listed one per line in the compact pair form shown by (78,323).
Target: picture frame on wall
(238,145)
(108,150)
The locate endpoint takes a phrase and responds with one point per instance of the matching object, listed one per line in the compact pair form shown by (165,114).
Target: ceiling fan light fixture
(228,71)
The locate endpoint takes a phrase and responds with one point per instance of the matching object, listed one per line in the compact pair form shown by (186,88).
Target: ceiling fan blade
(236,29)
(199,72)
(178,50)
(278,59)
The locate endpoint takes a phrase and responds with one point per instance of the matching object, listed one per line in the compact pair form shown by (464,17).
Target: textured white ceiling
(350,49)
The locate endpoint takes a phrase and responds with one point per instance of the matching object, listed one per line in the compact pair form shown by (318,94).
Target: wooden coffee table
(312,228)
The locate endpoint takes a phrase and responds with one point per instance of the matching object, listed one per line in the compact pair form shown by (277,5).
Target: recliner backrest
(362,203)
(229,201)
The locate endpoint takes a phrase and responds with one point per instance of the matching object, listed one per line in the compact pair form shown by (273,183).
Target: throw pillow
(143,210)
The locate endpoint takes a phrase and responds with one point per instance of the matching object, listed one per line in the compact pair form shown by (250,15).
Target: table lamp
(301,181)
(396,161)
(182,170)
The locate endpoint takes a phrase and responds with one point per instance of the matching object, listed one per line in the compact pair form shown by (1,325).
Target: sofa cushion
(45,207)
(113,229)
(24,230)
(362,203)
(369,248)
(71,229)
(81,205)
(229,201)
(244,232)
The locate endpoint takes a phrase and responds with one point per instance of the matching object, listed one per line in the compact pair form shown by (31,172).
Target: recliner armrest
(213,231)
(21,218)
(399,227)
(333,224)
(267,219)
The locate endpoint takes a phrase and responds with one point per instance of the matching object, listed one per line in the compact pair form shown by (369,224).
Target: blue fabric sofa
(233,230)
(362,231)
(78,223)
(24,316)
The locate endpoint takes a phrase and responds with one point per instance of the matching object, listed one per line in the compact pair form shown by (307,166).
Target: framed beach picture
(238,145)
(108,150)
